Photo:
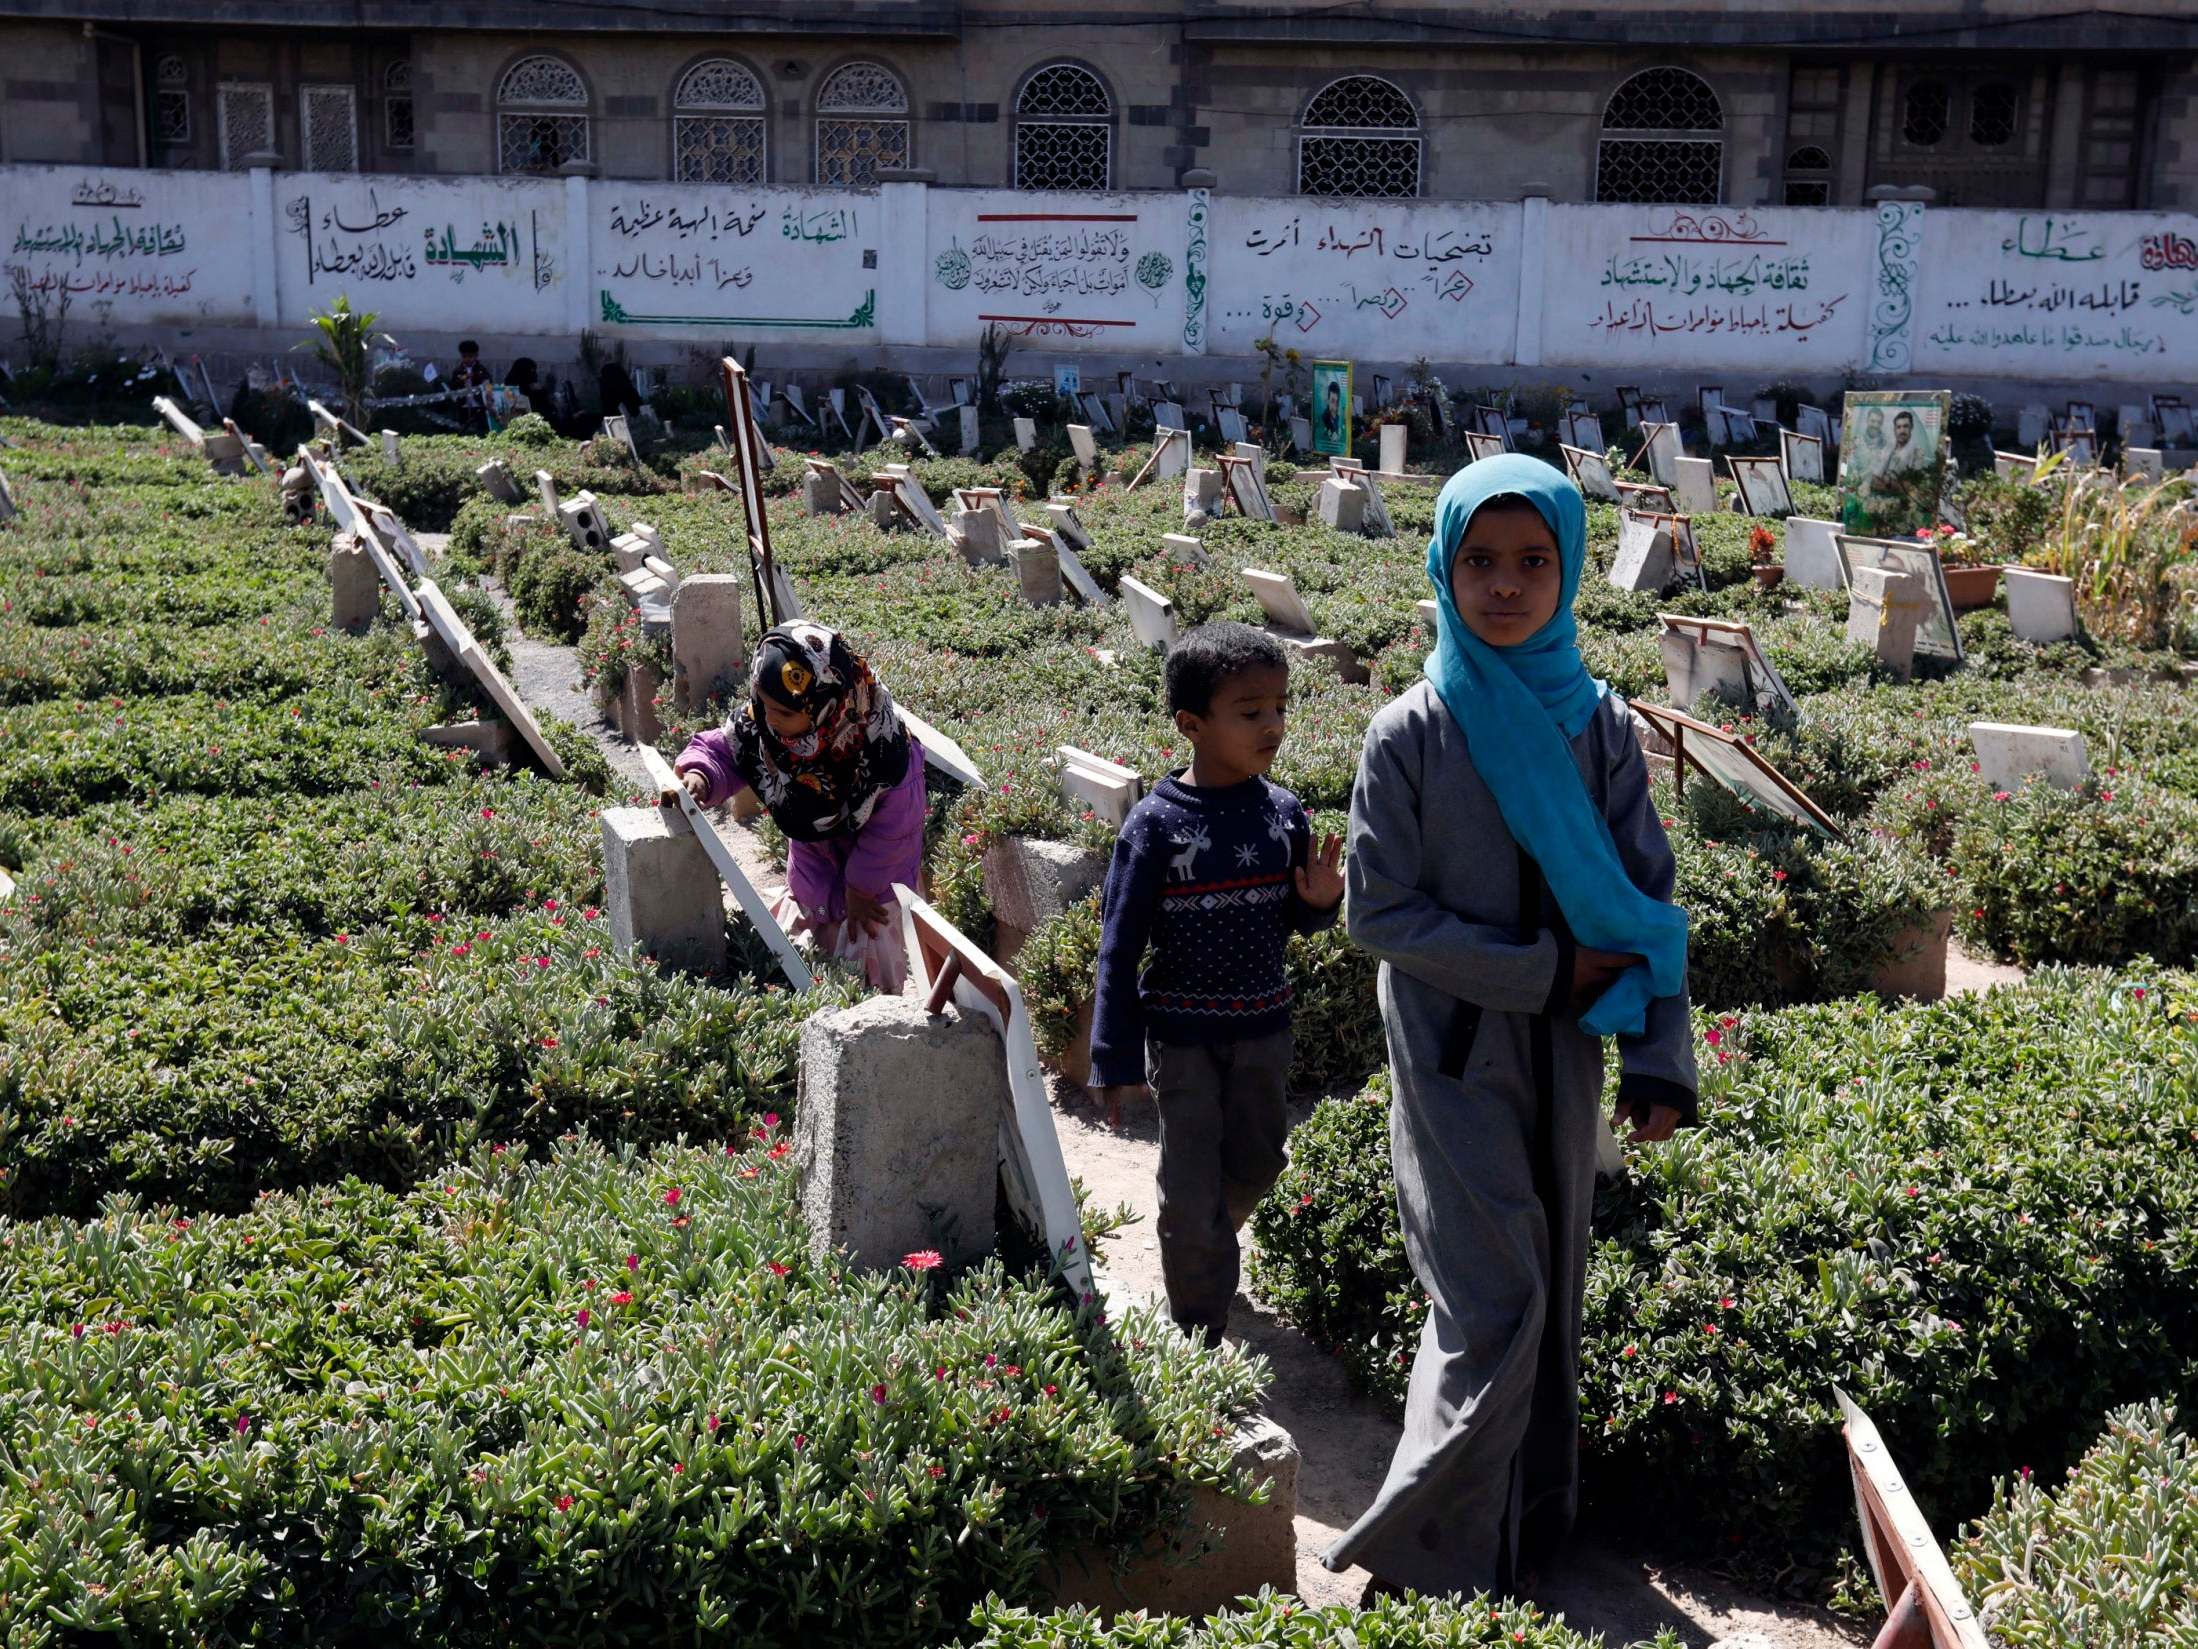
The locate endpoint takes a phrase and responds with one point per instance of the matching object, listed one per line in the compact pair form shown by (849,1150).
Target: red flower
(671,1197)
(622,1298)
(923,1259)
(244,1424)
(581,1317)
(775,1268)
(343,938)
(564,1502)
(711,1422)
(1725,1304)
(1671,1397)
(1713,1036)
(1629,1351)
(633,1262)
(1778,875)
(877,1393)
(549,1041)
(801,1440)
(488,813)
(678,1469)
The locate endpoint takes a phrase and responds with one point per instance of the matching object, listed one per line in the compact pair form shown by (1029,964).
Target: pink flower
(775,1269)
(923,1259)
(244,1424)
(801,1440)
(1713,1036)
(2003,795)
(711,1423)
(581,1317)
(1670,1397)
(633,1262)
(76,1331)
(488,813)
(564,1502)
(343,938)
(671,1197)
(770,1119)
(549,1041)
(622,1298)
(877,1393)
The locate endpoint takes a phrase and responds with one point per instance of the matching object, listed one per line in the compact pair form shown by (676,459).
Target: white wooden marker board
(1035,1174)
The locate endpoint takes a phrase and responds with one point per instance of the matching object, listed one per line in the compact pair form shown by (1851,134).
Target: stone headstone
(1591,474)
(709,657)
(966,422)
(1884,611)
(1698,666)
(8,511)
(981,536)
(1342,504)
(354,586)
(1028,882)
(1643,561)
(1663,451)
(1278,596)
(823,494)
(1108,788)
(1694,484)
(1171,454)
(497,479)
(2008,753)
(897,1130)
(660,891)
(1085,446)
(1037,565)
(1393,438)
(1301,436)
(1812,553)
(2041,607)
(1168,415)
(1201,494)
(2145,462)
(2013,466)
(1184,549)
(1581,429)
(389,448)
(2031,424)
(1231,423)
(1151,614)
(1804,455)
(584,523)
(1026,435)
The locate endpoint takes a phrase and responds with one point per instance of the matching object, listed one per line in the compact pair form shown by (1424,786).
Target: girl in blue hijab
(1510,874)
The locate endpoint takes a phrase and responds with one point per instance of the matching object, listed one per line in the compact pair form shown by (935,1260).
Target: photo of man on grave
(1332,408)
(1892,460)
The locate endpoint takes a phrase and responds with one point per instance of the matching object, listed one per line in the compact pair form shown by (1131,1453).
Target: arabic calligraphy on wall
(1367,279)
(90,238)
(1674,287)
(1074,268)
(765,260)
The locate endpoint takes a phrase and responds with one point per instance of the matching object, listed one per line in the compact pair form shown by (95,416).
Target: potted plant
(1762,550)
(1971,581)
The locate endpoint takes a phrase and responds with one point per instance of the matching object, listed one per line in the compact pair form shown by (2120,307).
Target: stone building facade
(2016,103)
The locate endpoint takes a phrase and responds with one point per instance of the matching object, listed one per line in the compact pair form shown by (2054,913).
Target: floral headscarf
(825,782)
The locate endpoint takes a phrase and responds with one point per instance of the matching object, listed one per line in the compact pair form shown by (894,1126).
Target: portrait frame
(1892,460)
(1331,437)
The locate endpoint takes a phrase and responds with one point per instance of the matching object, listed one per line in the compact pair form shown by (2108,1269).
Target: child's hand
(1320,878)
(1651,1122)
(697,783)
(1593,972)
(1113,1098)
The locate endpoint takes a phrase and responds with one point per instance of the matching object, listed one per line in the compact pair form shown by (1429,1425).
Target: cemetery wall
(213,261)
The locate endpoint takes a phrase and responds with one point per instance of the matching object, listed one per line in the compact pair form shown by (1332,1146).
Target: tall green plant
(2131,549)
(342,348)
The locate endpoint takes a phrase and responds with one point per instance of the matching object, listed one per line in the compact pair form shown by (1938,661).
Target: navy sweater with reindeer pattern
(1207,878)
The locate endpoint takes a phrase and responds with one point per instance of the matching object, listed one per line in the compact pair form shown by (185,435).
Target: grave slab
(661,891)
(498,480)
(1026,435)
(1884,611)
(709,656)
(2008,753)
(1185,549)
(1037,565)
(1342,504)
(1812,553)
(1108,788)
(2041,607)
(1201,495)
(1393,438)
(1152,615)
(1644,561)
(1694,485)
(1086,448)
(896,1135)
(1029,882)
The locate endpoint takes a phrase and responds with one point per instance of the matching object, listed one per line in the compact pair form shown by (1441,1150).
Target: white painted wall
(1059,271)
(2054,295)
(133,248)
(719,263)
(1775,291)
(440,254)
(1366,279)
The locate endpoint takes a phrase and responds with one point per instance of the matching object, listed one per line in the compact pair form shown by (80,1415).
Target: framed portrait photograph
(1332,408)
(1762,484)
(1892,460)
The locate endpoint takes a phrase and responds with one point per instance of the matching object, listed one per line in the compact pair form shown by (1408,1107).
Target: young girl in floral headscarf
(818,741)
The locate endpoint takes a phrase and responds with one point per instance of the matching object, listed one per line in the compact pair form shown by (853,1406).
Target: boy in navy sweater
(1215,869)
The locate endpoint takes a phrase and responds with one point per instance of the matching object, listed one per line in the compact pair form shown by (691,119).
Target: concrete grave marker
(1255,455)
(1036,559)
(1812,554)
(1376,522)
(1581,429)
(939,750)
(1763,409)
(2013,466)
(1393,440)
(966,424)
(1652,412)
(390,454)
(660,890)
(1648,496)
(915,501)
(709,656)
(1278,596)
(545,488)
(1490,421)
(584,523)
(1086,448)
(1096,413)
(1479,445)
(1590,472)
(446,623)
(2146,463)
(1171,456)
(910,434)
(1241,478)
(1884,611)
(1803,455)
(1643,561)
(1108,788)
(8,511)
(1739,427)
(826,491)
(1706,654)
(1342,504)
(2174,420)
(1168,415)
(1762,485)
(1232,425)
(1937,634)
(1629,402)
(1152,615)
(1694,483)
(1816,423)
(2008,753)
(1026,435)
(1709,398)
(1660,452)
(1301,436)
(2032,424)
(1183,548)
(1201,494)
(1072,565)
(2041,607)
(689,812)
(498,480)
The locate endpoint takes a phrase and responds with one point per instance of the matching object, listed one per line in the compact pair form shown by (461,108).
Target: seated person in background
(526,378)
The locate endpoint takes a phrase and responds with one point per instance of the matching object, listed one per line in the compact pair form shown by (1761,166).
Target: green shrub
(1974,1217)
(2107,1558)
(209,1071)
(550,590)
(1281,1621)
(531,430)
(611,1397)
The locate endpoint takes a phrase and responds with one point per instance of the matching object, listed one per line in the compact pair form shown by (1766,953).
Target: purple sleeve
(711,755)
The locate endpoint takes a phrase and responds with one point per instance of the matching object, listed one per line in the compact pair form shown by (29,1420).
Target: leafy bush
(2110,1557)
(530,429)
(209,1071)
(549,591)
(606,1394)
(1973,1216)
(1279,1620)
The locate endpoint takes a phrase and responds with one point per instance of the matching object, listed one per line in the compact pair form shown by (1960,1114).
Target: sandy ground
(1344,1441)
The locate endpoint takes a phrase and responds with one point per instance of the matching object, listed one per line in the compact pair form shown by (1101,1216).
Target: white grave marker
(1108,788)
(1026,435)
(1581,429)
(1762,485)
(1086,448)
(1812,554)
(1695,486)
(1644,558)
(1803,454)
(1660,451)
(1278,595)
(2041,607)
(1590,472)
(2008,753)
(1152,615)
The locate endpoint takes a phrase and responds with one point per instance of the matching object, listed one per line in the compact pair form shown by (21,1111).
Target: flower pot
(1916,966)
(1972,587)
(1768,576)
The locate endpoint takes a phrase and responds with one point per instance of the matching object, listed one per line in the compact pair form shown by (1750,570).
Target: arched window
(541,115)
(171,101)
(1809,177)
(1994,109)
(1663,141)
(862,125)
(1924,113)
(397,104)
(717,124)
(1064,130)
(1359,136)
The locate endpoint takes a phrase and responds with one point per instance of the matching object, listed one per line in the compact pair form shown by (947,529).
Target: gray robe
(1495,1165)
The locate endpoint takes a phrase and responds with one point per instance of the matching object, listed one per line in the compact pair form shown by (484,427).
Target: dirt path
(1344,1441)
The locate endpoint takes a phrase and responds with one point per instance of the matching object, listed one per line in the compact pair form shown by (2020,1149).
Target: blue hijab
(1520,707)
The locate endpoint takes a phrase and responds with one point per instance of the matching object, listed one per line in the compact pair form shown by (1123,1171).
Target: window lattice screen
(247,123)
(328,126)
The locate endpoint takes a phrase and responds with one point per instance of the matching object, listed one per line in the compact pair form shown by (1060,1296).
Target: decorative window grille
(247,117)
(328,128)
(862,125)
(1064,130)
(717,124)
(1809,177)
(1360,136)
(1663,141)
(1925,112)
(397,128)
(171,101)
(537,128)
(1995,109)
